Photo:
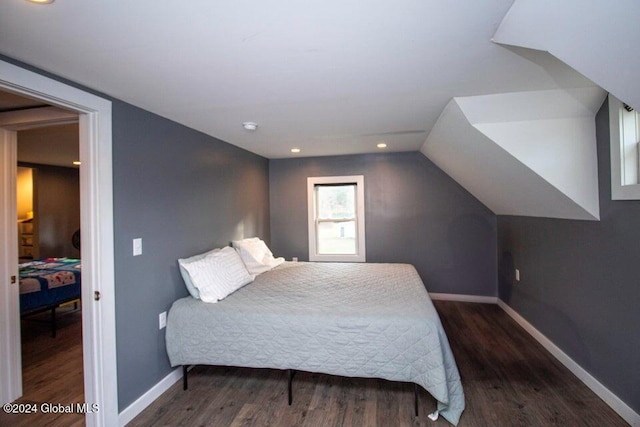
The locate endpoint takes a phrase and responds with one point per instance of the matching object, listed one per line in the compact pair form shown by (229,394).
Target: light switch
(162,320)
(137,246)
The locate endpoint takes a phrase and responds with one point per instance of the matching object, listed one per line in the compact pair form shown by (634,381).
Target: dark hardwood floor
(51,369)
(508,378)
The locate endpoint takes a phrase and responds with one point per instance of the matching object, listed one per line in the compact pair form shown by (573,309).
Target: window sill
(337,258)
(624,192)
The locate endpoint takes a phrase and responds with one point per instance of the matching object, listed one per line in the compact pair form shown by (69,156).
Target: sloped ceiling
(526,153)
(533,153)
(600,39)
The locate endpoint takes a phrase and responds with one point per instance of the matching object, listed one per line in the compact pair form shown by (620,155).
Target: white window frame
(625,152)
(312,182)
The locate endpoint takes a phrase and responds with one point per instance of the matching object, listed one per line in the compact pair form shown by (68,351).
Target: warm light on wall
(24,190)
(295,150)
(77,163)
(41,1)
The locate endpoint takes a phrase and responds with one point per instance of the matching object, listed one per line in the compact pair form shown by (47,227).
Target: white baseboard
(131,411)
(628,414)
(464,298)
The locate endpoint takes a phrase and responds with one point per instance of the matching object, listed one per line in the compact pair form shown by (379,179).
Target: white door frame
(96,216)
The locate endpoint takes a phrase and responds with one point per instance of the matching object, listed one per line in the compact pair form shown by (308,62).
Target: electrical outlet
(294,259)
(517,275)
(162,320)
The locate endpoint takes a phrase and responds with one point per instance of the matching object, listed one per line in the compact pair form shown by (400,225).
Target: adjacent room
(414,213)
(48,242)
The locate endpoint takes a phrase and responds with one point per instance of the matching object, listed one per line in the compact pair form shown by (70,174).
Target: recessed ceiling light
(41,1)
(295,150)
(250,125)
(77,163)
(381,145)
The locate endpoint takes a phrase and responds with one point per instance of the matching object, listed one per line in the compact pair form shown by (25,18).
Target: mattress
(355,320)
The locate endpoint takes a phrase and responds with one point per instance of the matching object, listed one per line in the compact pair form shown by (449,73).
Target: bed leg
(53,322)
(185,381)
(415,398)
(292,372)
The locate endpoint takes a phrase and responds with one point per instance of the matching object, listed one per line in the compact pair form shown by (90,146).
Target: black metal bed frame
(291,373)
(52,307)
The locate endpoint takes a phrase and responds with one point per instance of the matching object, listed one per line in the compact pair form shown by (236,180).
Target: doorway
(50,273)
(98,314)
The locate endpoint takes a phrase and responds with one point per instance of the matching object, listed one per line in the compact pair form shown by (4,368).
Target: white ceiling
(327,77)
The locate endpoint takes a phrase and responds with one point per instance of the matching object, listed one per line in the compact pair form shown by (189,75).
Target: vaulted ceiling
(338,77)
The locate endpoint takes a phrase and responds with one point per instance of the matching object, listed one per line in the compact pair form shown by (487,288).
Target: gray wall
(182,192)
(580,281)
(415,213)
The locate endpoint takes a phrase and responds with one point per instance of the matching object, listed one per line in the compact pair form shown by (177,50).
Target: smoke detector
(250,125)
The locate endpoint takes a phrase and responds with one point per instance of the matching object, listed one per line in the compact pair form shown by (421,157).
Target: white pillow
(182,262)
(218,274)
(256,255)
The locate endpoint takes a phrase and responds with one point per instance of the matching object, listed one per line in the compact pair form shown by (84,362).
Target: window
(624,123)
(336,218)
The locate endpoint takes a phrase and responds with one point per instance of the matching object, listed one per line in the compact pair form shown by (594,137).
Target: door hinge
(96,295)
(13,279)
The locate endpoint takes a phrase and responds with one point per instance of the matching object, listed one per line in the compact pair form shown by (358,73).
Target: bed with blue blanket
(47,283)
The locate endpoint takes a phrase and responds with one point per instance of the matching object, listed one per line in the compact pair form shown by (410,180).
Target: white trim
(628,414)
(96,192)
(10,346)
(464,298)
(358,180)
(618,190)
(133,410)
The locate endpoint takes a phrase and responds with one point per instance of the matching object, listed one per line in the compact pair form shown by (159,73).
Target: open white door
(96,189)
(10,349)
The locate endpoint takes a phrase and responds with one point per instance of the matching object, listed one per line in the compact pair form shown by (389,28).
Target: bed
(354,320)
(45,284)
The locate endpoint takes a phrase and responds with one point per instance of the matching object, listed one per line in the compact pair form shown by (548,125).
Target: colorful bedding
(45,283)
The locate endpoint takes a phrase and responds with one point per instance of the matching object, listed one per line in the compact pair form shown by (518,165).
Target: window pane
(337,238)
(629,147)
(336,201)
